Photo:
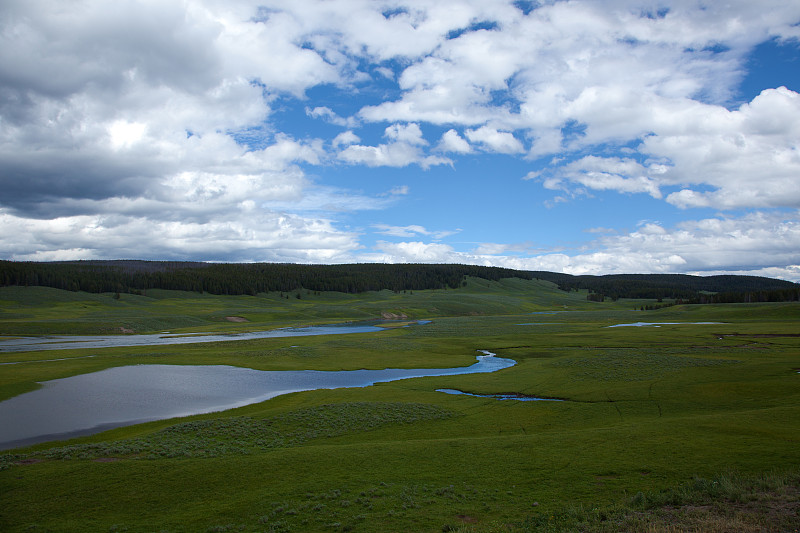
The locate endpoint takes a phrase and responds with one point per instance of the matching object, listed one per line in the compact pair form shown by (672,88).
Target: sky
(585,137)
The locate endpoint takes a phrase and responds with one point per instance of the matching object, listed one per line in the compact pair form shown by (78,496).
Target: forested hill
(253,278)
(692,289)
(241,278)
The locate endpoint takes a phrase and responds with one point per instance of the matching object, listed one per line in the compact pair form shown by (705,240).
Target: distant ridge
(253,278)
(673,286)
(242,278)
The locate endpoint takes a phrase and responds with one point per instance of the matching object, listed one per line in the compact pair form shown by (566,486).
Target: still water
(121,396)
(509,396)
(62,342)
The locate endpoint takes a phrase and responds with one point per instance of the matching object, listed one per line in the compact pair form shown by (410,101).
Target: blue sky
(580,137)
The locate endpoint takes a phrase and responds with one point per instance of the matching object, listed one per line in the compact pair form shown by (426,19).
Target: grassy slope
(648,408)
(42,310)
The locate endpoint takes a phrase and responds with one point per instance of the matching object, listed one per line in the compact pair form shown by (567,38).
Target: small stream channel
(66,342)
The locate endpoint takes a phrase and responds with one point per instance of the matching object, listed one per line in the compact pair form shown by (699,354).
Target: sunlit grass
(653,418)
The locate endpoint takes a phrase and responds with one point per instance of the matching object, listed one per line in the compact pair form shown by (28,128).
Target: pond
(64,342)
(126,395)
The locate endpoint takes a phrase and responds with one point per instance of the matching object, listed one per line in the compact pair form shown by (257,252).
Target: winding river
(126,395)
(65,342)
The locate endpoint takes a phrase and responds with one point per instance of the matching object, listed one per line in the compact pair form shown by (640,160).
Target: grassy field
(671,428)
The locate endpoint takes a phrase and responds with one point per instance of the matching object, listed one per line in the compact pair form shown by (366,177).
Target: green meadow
(673,428)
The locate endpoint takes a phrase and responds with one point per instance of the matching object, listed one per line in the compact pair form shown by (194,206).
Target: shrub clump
(244,435)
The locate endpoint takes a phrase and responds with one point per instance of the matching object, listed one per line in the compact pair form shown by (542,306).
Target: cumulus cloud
(598,173)
(404,148)
(411,252)
(618,73)
(145,91)
(748,245)
(398,154)
(749,156)
(120,125)
(725,159)
(167,126)
(245,235)
(451,141)
(492,139)
(345,138)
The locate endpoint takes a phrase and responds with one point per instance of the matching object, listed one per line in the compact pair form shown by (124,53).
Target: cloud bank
(158,130)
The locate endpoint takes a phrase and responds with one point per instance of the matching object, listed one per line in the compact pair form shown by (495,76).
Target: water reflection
(90,403)
(63,342)
(508,396)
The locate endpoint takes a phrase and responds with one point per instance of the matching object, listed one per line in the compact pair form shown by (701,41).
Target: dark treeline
(241,278)
(778,295)
(680,287)
(251,278)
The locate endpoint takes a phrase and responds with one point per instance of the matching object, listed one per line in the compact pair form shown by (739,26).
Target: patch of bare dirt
(764,513)
(236,319)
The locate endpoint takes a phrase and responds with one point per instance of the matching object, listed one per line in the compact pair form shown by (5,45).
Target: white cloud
(749,245)
(617,73)
(411,252)
(788,272)
(329,115)
(125,134)
(400,190)
(452,142)
(598,173)
(159,84)
(400,231)
(491,248)
(388,155)
(118,125)
(749,156)
(269,50)
(123,122)
(407,133)
(434,105)
(404,149)
(503,142)
(239,236)
(743,158)
(345,138)
(411,231)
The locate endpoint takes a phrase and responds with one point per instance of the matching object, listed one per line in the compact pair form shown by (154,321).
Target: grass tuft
(244,435)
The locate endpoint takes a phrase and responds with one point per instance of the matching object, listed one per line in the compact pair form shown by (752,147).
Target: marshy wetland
(689,426)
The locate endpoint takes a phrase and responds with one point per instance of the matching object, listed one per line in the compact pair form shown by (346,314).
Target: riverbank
(127,395)
(650,410)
